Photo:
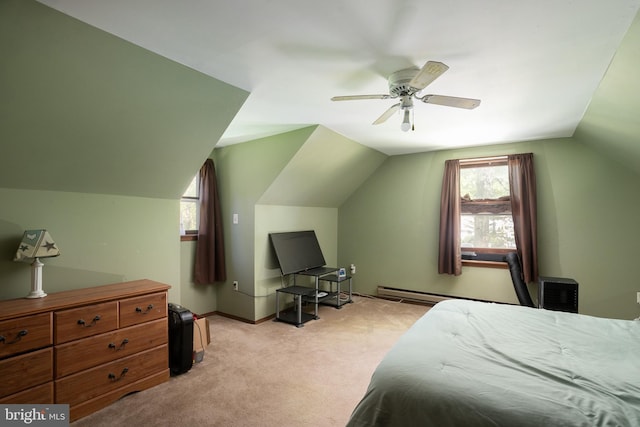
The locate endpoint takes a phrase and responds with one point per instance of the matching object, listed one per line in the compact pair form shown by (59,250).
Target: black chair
(513,261)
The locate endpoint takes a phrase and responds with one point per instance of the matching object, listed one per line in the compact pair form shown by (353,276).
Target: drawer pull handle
(149,308)
(18,337)
(122,344)
(114,378)
(82,323)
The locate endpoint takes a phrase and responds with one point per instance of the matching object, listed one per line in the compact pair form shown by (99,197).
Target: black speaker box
(180,339)
(557,293)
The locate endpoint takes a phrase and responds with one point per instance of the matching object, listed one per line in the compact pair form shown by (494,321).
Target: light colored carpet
(273,374)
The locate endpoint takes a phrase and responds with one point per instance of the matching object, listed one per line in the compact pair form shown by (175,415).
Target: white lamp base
(36,280)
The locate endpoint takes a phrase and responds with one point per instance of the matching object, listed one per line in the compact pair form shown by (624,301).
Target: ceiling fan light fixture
(406,122)
(406,84)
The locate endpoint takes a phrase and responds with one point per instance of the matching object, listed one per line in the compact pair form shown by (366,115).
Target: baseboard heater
(385,292)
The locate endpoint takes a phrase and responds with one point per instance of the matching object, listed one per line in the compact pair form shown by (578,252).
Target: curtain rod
(476,160)
(489,159)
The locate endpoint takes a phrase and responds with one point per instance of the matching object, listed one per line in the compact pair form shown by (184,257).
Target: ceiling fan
(406,84)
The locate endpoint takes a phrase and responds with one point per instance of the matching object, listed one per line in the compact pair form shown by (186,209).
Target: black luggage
(180,339)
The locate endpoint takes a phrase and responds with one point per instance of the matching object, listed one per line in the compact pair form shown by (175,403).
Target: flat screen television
(297,251)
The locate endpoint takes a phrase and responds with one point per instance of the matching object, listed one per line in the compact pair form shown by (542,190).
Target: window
(482,228)
(190,208)
(486,223)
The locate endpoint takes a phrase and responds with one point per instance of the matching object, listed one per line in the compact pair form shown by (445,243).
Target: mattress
(468,363)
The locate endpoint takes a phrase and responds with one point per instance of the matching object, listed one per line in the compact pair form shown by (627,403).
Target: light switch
(235,218)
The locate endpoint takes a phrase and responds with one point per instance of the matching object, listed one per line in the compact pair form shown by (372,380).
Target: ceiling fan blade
(429,72)
(390,112)
(356,97)
(451,101)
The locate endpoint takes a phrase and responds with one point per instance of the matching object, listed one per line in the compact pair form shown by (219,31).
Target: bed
(468,363)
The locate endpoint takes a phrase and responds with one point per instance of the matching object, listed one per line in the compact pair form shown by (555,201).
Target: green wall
(85,111)
(102,239)
(99,140)
(286,182)
(323,172)
(244,173)
(586,223)
(199,298)
(273,219)
(611,122)
(388,226)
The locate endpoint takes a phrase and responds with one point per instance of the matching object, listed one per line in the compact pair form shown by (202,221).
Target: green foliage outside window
(490,223)
(189,212)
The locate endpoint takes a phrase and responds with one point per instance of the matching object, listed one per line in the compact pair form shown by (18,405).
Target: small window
(486,223)
(190,208)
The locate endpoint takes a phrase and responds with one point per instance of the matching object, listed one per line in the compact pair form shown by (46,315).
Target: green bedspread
(468,363)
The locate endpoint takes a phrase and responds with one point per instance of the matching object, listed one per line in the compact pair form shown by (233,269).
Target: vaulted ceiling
(611,123)
(84,111)
(535,65)
(88,111)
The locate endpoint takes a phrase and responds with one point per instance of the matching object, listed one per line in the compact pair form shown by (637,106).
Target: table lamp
(36,244)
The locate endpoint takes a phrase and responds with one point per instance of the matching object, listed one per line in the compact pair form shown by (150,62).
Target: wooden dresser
(86,347)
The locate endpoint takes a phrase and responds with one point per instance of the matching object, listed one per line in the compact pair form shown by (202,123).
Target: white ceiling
(534,65)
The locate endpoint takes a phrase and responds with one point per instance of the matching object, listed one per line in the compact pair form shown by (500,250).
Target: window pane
(490,182)
(484,223)
(188,215)
(189,208)
(192,189)
(487,231)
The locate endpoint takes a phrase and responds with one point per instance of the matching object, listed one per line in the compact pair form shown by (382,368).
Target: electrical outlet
(638,297)
(235,285)
(353,268)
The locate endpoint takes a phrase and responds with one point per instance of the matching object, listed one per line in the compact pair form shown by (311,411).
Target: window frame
(474,163)
(190,235)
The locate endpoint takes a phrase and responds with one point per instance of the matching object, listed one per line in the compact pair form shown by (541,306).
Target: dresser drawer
(143,309)
(25,333)
(22,372)
(85,321)
(41,394)
(102,379)
(88,352)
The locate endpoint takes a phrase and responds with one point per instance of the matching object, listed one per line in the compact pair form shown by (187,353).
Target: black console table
(297,316)
(306,294)
(333,298)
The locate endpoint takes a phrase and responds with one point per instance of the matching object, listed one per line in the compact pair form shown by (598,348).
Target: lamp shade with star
(36,244)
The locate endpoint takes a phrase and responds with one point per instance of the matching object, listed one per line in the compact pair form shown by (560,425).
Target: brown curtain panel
(449,257)
(210,262)
(522,186)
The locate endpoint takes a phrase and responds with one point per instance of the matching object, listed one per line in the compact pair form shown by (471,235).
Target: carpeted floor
(273,374)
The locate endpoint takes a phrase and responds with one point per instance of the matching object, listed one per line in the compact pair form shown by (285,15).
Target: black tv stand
(303,294)
(297,316)
(333,298)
